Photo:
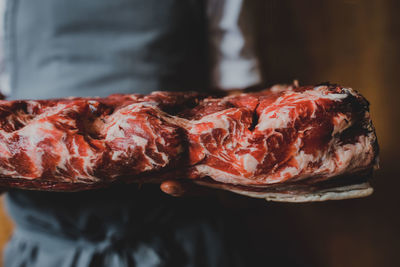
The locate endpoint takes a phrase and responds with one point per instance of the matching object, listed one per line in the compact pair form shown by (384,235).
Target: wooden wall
(355,43)
(351,42)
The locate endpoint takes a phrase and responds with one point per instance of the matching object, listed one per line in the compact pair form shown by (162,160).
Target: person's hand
(183,188)
(238,91)
(179,188)
(235,92)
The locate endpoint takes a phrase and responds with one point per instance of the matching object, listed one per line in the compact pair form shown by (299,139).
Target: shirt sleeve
(234,63)
(5,88)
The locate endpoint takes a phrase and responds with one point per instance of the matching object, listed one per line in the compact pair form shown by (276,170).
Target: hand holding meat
(286,143)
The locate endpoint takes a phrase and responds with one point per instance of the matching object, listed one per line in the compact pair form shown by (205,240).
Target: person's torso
(58,48)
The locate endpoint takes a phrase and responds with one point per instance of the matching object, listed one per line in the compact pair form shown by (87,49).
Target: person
(60,48)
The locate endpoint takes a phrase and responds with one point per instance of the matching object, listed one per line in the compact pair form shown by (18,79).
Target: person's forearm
(235,65)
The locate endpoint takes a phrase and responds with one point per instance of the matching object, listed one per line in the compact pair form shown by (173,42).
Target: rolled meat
(285,143)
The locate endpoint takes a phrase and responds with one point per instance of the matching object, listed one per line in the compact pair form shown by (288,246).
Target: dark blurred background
(355,43)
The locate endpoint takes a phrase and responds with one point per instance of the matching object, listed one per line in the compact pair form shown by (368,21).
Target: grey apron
(59,48)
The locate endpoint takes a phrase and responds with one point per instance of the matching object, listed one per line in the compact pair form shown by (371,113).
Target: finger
(173,188)
(180,188)
(235,92)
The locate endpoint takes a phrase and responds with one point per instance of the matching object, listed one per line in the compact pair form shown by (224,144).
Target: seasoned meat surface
(278,136)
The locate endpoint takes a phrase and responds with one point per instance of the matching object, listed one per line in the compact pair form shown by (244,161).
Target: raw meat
(285,143)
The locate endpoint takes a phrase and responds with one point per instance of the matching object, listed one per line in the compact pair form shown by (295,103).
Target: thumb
(178,188)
